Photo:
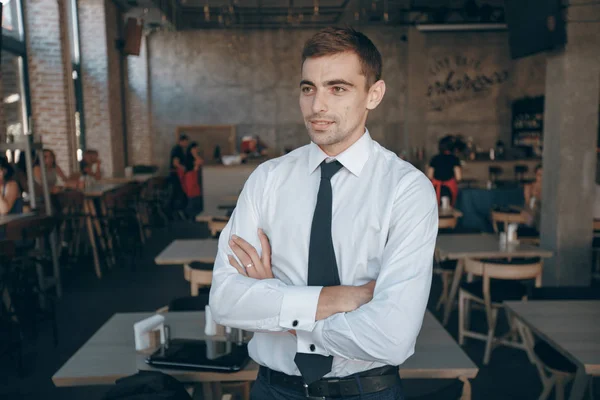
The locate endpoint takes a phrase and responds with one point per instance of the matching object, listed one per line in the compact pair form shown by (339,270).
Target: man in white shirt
(333,243)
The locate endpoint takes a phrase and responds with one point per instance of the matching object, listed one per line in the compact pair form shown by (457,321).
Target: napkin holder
(149,334)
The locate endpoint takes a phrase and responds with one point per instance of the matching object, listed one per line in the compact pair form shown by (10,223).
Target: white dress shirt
(384,227)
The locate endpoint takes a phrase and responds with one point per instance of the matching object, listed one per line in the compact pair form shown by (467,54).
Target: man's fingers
(236,265)
(266,249)
(252,253)
(245,259)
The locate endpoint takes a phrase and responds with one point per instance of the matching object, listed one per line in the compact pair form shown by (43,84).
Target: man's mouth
(317,123)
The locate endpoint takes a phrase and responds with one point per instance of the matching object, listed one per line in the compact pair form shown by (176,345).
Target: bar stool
(520,171)
(13,344)
(494,172)
(500,282)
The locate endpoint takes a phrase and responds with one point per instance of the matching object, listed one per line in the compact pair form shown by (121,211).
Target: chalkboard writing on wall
(528,121)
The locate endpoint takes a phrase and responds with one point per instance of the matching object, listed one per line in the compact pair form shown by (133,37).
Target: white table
(571,327)
(459,246)
(110,354)
(184,252)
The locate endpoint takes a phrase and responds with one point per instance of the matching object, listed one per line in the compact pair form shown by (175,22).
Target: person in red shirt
(445,171)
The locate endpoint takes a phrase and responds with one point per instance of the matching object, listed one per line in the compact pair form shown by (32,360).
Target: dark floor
(88,302)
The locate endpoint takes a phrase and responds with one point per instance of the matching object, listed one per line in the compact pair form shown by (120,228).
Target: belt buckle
(308,396)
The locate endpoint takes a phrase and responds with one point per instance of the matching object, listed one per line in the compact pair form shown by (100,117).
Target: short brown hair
(332,40)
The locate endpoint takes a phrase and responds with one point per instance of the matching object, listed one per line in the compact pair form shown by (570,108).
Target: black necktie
(322,267)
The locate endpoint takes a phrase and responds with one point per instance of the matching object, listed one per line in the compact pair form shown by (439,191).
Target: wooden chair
(505,218)
(520,171)
(199,274)
(494,173)
(499,283)
(447,222)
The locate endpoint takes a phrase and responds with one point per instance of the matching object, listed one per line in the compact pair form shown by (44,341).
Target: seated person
(53,172)
(11,201)
(445,171)
(90,164)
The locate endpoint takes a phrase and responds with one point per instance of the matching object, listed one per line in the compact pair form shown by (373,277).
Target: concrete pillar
(101,77)
(415,127)
(138,108)
(570,139)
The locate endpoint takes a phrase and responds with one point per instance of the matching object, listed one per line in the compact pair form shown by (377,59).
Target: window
(13,96)
(15,90)
(11,19)
(76,73)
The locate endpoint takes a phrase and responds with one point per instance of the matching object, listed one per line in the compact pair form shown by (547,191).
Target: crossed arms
(376,322)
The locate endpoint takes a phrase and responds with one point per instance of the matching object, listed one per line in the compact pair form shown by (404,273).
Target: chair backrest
(23,229)
(494,172)
(505,218)
(515,270)
(520,171)
(447,222)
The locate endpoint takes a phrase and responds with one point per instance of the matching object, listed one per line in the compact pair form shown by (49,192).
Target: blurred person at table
(191,180)
(90,164)
(53,172)
(328,254)
(445,171)
(11,201)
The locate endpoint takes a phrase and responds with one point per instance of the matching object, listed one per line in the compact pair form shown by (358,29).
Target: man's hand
(339,299)
(253,266)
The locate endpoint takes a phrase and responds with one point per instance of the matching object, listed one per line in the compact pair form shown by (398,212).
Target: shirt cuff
(312,342)
(299,307)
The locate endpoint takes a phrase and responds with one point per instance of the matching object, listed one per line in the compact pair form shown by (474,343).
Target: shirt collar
(353,158)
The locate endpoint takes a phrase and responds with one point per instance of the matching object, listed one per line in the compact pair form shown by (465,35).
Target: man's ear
(375,95)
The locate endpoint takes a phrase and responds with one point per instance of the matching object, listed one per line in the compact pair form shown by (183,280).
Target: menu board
(528,121)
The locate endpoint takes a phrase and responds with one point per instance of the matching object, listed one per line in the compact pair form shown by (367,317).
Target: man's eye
(338,89)
(306,89)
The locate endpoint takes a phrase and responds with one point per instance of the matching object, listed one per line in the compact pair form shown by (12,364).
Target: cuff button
(295,323)
(312,347)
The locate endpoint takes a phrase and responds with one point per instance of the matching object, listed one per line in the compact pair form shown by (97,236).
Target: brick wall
(46,22)
(138,108)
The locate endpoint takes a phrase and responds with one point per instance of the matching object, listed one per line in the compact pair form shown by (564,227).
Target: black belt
(371,381)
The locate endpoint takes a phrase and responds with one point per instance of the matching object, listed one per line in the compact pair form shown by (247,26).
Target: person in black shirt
(178,153)
(177,165)
(444,170)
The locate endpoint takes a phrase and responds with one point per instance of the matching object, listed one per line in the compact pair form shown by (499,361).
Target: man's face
(334,100)
(184,143)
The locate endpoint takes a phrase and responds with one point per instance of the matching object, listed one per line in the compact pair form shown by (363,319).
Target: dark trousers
(263,390)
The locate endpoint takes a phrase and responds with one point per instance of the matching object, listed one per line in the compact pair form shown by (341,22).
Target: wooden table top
(571,327)
(98,189)
(185,251)
(457,246)
(7,219)
(141,178)
(110,354)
